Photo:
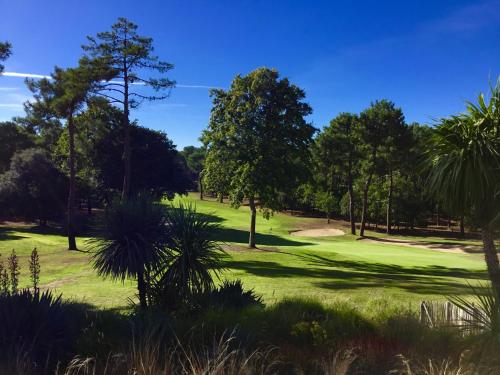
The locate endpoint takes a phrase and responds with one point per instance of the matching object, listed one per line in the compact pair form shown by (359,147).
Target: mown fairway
(326,268)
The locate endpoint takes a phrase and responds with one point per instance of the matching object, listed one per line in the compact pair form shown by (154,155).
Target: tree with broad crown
(464,165)
(5,52)
(256,133)
(126,55)
(64,95)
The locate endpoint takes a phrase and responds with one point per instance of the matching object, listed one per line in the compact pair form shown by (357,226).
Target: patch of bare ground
(444,247)
(233,247)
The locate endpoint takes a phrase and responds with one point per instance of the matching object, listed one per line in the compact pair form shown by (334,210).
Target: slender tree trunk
(71,194)
(389,204)
(437,215)
(364,211)
(126,140)
(89,205)
(253,210)
(352,219)
(462,227)
(221,198)
(141,288)
(328,217)
(200,186)
(491,258)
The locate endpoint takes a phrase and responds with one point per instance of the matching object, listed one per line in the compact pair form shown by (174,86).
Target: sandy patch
(444,247)
(319,232)
(234,247)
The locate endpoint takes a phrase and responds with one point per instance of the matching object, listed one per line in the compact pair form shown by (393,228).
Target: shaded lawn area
(328,268)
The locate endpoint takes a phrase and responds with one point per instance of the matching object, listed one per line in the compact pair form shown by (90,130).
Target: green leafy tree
(5,52)
(465,170)
(13,138)
(66,94)
(33,186)
(326,202)
(256,133)
(127,56)
(195,158)
(337,150)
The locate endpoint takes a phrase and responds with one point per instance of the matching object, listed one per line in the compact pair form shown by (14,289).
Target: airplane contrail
(33,75)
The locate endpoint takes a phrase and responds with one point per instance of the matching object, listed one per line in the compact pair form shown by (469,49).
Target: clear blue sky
(427,56)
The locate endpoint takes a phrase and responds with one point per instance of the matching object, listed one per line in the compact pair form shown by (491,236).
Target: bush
(230,295)
(37,327)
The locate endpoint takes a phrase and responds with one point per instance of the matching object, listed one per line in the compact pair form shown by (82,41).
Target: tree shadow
(349,275)
(223,234)
(429,244)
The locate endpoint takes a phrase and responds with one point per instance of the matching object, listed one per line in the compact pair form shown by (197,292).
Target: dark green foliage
(13,138)
(194,256)
(133,243)
(257,141)
(5,52)
(13,265)
(34,266)
(125,56)
(4,280)
(35,327)
(33,188)
(229,295)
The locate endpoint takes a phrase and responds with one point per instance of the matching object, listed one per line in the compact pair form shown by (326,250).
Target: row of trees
(260,148)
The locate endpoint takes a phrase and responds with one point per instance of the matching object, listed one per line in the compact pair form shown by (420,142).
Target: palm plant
(133,243)
(195,255)
(465,169)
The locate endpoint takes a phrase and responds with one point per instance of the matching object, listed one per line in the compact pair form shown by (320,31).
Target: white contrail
(32,75)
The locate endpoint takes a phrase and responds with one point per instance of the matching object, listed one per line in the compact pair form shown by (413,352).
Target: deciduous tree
(257,131)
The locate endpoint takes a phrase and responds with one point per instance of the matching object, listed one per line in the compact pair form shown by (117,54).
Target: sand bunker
(445,247)
(321,232)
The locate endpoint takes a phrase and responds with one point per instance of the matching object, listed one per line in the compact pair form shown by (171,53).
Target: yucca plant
(482,316)
(464,165)
(134,241)
(195,256)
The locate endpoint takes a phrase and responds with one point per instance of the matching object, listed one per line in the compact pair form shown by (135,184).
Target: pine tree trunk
(126,141)
(491,258)
(365,205)
(352,219)
(221,198)
(200,186)
(72,183)
(462,227)
(89,205)
(141,288)
(253,210)
(389,204)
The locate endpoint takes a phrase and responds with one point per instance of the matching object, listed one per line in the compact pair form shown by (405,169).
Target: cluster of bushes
(291,337)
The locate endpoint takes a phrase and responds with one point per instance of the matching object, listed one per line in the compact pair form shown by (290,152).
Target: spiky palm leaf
(134,238)
(195,255)
(465,159)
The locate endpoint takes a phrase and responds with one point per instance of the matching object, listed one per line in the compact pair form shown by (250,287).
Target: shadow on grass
(241,236)
(429,244)
(345,274)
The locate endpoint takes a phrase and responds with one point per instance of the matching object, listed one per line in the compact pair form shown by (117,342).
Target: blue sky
(427,56)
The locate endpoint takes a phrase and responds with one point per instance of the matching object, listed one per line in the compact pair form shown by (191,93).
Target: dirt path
(319,232)
(444,247)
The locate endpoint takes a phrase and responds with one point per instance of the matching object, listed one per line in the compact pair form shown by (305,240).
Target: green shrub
(38,327)
(230,295)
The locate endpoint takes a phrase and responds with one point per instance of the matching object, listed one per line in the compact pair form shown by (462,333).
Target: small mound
(321,232)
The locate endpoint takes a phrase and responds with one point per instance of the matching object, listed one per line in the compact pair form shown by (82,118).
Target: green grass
(329,268)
